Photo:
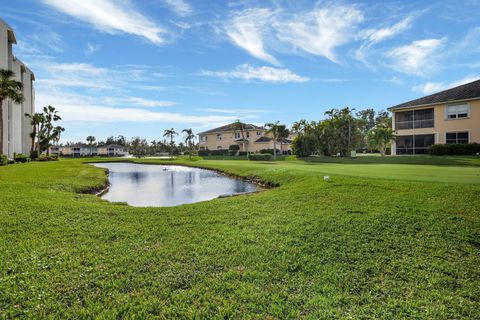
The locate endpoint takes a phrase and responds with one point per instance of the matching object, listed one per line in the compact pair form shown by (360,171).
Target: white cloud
(432,87)
(418,58)
(320,31)
(141,102)
(381,34)
(247,30)
(112,17)
(266,74)
(180,7)
(91,49)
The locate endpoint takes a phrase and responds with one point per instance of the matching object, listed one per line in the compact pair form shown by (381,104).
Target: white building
(16,126)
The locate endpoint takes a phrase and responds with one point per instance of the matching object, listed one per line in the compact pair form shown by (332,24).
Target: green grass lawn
(385,238)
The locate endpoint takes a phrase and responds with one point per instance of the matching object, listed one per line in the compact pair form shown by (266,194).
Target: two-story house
(254,139)
(450,116)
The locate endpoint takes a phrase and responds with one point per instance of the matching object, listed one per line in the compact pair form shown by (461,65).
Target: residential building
(85,150)
(16,126)
(254,139)
(450,116)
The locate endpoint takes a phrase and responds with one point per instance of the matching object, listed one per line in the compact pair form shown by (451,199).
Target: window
(219,148)
(219,136)
(259,133)
(414,144)
(248,134)
(414,119)
(456,137)
(203,138)
(238,135)
(458,111)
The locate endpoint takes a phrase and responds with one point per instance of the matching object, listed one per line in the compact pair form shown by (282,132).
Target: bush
(269,151)
(21,158)
(203,153)
(450,149)
(44,157)
(3,160)
(303,146)
(260,157)
(234,147)
(242,153)
(232,153)
(221,152)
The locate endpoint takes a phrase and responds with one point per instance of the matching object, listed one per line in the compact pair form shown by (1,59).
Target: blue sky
(137,67)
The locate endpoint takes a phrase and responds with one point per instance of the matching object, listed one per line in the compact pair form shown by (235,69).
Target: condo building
(16,126)
(450,116)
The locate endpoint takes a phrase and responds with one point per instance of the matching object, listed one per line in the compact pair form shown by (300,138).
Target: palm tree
(273,128)
(283,134)
(170,133)
(36,120)
(238,125)
(9,88)
(189,138)
(91,140)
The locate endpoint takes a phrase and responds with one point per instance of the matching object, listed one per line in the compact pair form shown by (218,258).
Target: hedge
(260,157)
(234,147)
(454,149)
(21,158)
(242,153)
(269,151)
(3,160)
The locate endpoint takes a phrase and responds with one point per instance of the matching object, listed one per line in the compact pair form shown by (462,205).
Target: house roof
(264,139)
(464,92)
(231,127)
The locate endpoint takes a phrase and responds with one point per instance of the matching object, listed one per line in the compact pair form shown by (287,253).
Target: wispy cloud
(247,29)
(91,49)
(141,102)
(432,87)
(266,74)
(112,17)
(180,7)
(417,58)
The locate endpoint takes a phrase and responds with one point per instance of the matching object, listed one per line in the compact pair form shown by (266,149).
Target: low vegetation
(381,239)
(454,149)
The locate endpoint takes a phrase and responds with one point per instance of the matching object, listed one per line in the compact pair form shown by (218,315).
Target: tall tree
(283,133)
(35,120)
(274,128)
(170,133)
(91,140)
(240,126)
(11,89)
(189,139)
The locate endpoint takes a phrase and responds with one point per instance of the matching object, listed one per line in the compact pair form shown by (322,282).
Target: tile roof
(231,127)
(467,91)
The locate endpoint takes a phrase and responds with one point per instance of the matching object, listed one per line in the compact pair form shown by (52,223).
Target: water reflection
(143,185)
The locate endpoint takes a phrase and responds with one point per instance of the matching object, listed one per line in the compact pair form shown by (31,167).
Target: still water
(143,185)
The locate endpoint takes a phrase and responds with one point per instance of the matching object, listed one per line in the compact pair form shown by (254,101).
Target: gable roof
(231,127)
(464,92)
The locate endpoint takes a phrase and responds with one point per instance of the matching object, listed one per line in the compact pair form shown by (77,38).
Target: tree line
(342,131)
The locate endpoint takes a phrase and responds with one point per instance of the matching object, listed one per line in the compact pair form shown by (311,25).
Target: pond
(144,185)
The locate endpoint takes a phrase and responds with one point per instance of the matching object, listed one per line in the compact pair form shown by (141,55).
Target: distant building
(16,126)
(450,116)
(255,139)
(85,150)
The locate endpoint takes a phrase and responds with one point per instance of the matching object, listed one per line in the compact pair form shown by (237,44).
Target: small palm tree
(91,140)
(283,134)
(9,88)
(189,139)
(240,126)
(37,120)
(273,128)
(170,133)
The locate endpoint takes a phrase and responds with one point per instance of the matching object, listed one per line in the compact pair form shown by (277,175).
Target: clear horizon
(136,68)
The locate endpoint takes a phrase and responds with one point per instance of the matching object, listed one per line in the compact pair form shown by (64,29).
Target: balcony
(417,124)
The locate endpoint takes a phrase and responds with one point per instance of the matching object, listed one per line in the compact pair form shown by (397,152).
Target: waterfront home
(254,139)
(449,116)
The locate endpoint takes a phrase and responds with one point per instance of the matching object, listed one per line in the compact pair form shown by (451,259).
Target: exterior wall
(442,125)
(16,129)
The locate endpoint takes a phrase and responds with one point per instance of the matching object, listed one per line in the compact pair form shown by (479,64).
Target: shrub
(269,151)
(259,157)
(203,153)
(454,149)
(242,153)
(44,157)
(234,147)
(220,152)
(303,146)
(232,152)
(3,160)
(21,158)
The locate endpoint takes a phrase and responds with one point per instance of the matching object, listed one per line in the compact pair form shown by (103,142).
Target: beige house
(254,139)
(450,116)
(15,126)
(85,150)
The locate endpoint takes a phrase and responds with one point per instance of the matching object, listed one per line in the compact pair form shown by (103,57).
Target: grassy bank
(380,240)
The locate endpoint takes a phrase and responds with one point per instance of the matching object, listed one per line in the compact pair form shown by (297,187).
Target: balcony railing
(417,124)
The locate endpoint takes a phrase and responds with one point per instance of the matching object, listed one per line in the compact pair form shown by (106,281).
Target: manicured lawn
(382,239)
